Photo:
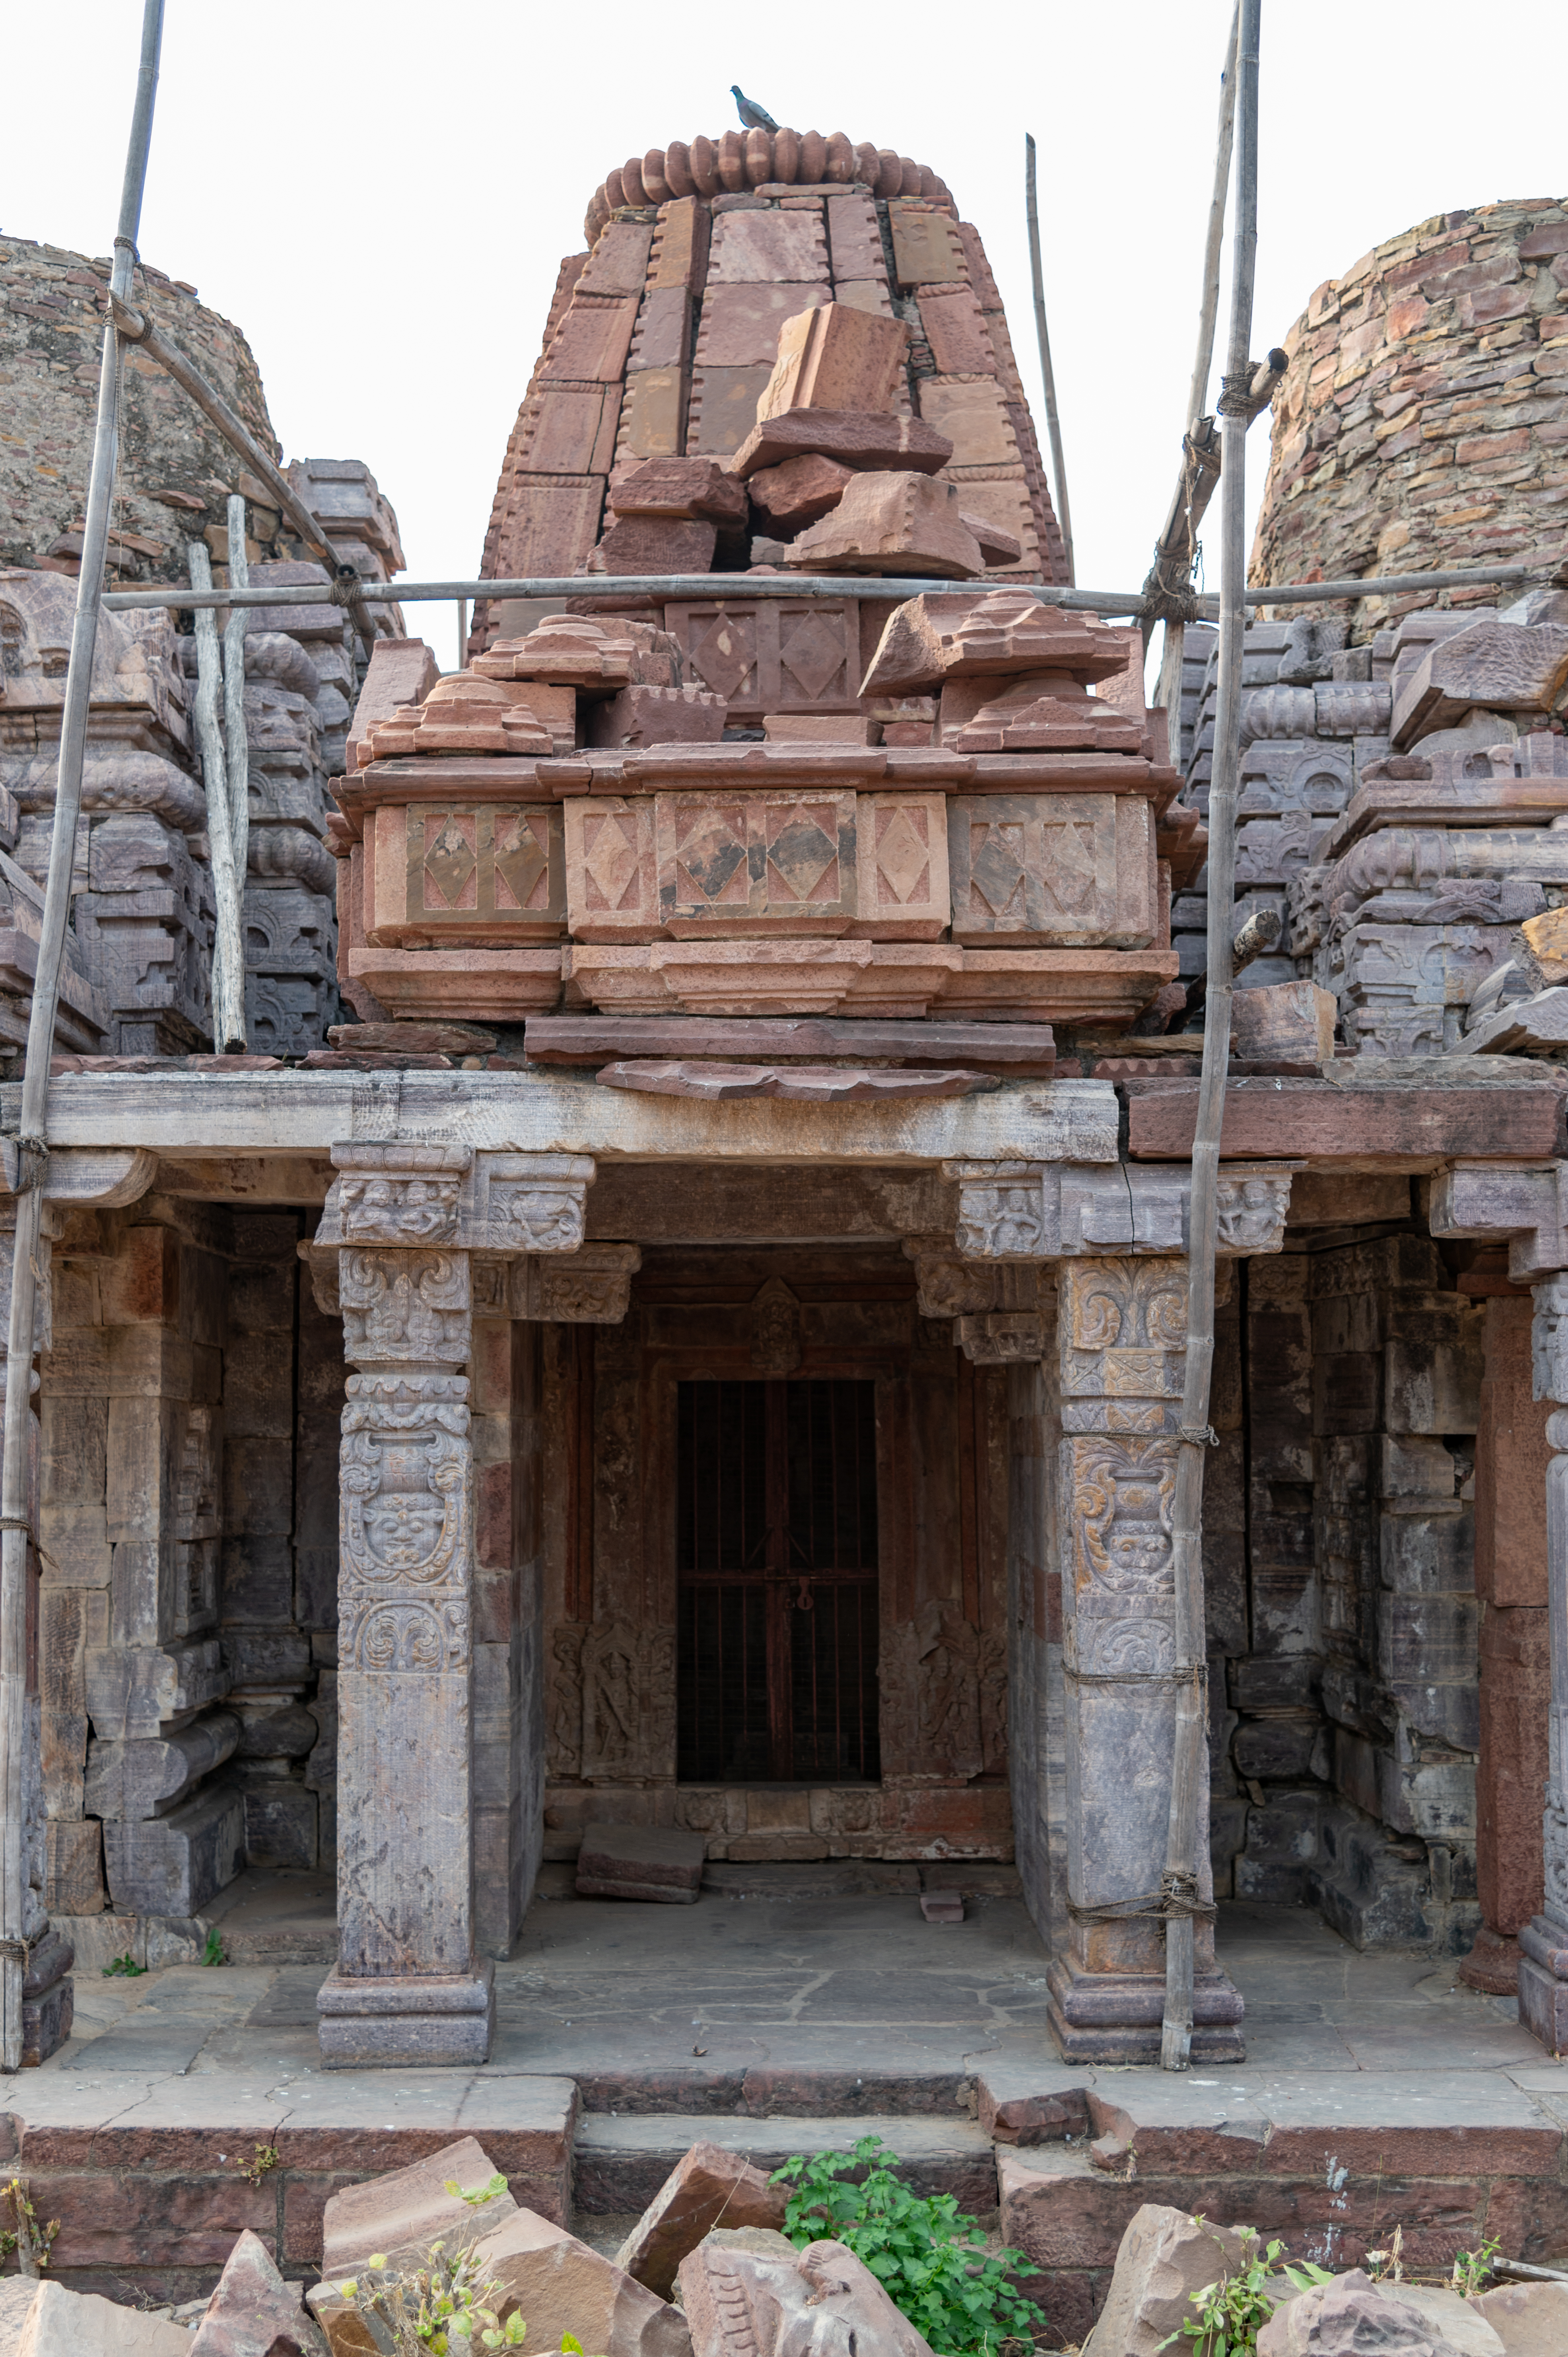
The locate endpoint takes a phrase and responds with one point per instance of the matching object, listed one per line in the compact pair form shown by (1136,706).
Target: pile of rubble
(707,2271)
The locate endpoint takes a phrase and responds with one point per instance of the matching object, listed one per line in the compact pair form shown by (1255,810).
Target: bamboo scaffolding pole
(227,950)
(236,740)
(32,1153)
(1047,374)
(1182,1881)
(747,587)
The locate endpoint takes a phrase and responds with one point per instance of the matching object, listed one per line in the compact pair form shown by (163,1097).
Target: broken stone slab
(820,2302)
(1284,1022)
(1453,2318)
(1494,665)
(800,492)
(997,545)
(888,522)
(657,715)
(690,490)
(558,2285)
(1525,1027)
(859,439)
(657,1862)
(1530,2320)
(402,2213)
(254,2313)
(148,1775)
(61,2323)
(801,1083)
(1342,2319)
(1027,1049)
(708,2187)
(1163,2258)
(645,543)
(954,634)
(415,1039)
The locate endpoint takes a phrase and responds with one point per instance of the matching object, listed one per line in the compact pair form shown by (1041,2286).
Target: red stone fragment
(689,489)
(862,440)
(254,2313)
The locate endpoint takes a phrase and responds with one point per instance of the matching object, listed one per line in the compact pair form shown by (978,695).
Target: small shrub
(124,1968)
(441,2309)
(213,1952)
(930,2260)
(1233,2310)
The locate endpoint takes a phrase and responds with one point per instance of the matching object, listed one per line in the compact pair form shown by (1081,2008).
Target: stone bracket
(591,1287)
(1527,1203)
(1051,1211)
(106,1177)
(437,1197)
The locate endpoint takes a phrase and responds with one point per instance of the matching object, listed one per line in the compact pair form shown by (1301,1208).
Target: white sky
(379,194)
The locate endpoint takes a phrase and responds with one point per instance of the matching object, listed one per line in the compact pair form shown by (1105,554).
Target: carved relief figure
(406,1483)
(775,1329)
(611,1699)
(544,1217)
(1000,1219)
(1123,1490)
(566,1699)
(407,1305)
(947,1653)
(422,1208)
(1252,1213)
(198,1524)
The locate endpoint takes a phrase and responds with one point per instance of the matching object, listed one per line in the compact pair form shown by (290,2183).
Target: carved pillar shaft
(1121,1342)
(1543,1967)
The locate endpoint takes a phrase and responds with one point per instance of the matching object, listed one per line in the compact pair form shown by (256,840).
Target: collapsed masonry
(745,1239)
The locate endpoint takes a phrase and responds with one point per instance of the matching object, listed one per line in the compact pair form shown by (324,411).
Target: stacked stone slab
(1420,421)
(661,340)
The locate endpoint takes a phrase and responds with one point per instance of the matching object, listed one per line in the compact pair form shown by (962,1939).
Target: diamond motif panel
(485,876)
(612,888)
(1065,870)
(903,843)
(729,862)
(773,655)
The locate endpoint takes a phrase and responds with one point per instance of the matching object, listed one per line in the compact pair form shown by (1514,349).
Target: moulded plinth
(415,2020)
(1116,2017)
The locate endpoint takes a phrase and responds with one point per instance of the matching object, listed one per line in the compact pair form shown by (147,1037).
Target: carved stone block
(1073,870)
(1050,1210)
(902,856)
(398,1195)
(590,1286)
(486,875)
(612,876)
(785,862)
(530,1202)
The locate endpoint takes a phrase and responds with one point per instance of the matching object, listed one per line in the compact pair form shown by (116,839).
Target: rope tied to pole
(347,589)
(1236,392)
(1198,1435)
(1177,1896)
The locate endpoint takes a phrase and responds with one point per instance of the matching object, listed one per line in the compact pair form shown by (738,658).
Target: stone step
(620,2161)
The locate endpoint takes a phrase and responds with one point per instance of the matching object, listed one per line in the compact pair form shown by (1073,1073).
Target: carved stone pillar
(407,1221)
(1543,1966)
(1121,1342)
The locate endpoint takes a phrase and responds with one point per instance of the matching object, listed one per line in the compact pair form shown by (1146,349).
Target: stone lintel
(266,1115)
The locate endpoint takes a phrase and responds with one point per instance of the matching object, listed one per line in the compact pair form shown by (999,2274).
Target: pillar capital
(1524,1203)
(500,1204)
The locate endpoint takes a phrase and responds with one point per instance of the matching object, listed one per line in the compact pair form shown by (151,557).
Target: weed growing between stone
(929,2257)
(1231,2312)
(441,2309)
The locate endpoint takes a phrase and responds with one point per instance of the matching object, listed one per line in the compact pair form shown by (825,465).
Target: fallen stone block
(691,490)
(1545,939)
(1453,2319)
(707,2188)
(1530,2320)
(558,2285)
(643,543)
(1525,1027)
(889,523)
(835,357)
(657,1862)
(1284,1022)
(859,439)
(1494,665)
(800,492)
(413,1038)
(254,2313)
(1344,2317)
(944,635)
(61,2323)
(1164,2257)
(401,2214)
(997,545)
(942,1905)
(820,2302)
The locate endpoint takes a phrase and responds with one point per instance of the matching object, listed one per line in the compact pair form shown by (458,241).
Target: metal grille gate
(776,1563)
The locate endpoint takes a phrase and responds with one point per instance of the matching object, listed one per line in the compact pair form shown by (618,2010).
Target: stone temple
(677,1324)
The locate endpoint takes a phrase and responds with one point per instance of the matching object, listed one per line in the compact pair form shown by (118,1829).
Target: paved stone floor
(844,2005)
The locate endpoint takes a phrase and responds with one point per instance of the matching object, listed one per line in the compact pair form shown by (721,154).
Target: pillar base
(418,2020)
(1116,2017)
(1543,1983)
(1492,1965)
(48,1998)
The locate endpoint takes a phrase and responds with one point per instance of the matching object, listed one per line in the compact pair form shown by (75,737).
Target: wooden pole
(1214,237)
(1053,422)
(32,1157)
(228,1021)
(1184,1833)
(236,740)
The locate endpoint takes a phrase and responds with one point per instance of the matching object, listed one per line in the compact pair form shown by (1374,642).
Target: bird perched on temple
(755,117)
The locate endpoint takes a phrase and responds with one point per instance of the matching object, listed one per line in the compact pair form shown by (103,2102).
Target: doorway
(776,1560)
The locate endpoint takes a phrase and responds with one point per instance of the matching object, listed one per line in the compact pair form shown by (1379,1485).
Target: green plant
(30,2241)
(266,2157)
(1471,2268)
(1389,2262)
(213,1952)
(124,1968)
(440,2309)
(480,2194)
(930,2259)
(1233,2309)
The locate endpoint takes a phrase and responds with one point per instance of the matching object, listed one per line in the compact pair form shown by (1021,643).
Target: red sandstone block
(684,489)
(137,2220)
(643,543)
(799,492)
(740,324)
(956,331)
(835,356)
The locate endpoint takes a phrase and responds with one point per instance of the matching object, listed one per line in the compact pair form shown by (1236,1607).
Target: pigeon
(755,117)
